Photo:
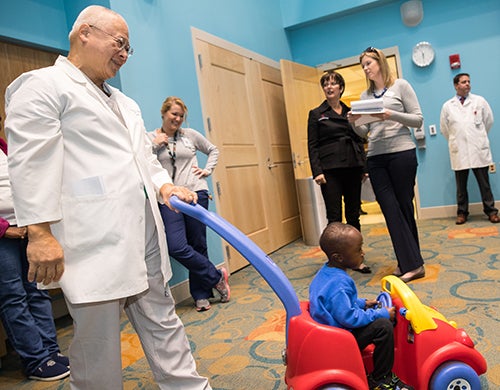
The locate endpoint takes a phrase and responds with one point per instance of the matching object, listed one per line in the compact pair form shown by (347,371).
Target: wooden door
(282,197)
(302,93)
(244,109)
(15,60)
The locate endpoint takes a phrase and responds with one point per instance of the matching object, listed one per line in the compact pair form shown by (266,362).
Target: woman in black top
(336,154)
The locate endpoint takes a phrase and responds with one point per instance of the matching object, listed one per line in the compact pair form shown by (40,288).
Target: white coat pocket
(95,222)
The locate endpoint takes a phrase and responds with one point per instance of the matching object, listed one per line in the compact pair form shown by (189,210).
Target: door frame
(390,51)
(217,41)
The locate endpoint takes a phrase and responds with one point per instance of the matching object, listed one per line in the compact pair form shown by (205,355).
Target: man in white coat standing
(86,184)
(465,121)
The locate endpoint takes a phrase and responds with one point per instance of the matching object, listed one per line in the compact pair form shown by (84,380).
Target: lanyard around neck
(174,146)
(172,153)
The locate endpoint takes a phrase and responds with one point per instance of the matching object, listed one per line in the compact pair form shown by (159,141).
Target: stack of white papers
(368,106)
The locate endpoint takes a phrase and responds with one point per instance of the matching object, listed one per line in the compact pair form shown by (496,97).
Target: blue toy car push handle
(272,274)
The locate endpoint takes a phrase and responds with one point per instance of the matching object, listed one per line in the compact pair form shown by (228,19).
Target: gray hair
(93,15)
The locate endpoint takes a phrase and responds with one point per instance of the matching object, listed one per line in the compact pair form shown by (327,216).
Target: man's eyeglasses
(123,43)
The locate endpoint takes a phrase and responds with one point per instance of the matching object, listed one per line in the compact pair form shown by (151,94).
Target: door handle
(271,165)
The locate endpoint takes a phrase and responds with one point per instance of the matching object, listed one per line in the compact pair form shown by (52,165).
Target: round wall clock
(423,54)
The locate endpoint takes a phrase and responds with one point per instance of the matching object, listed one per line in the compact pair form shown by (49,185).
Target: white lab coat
(466,128)
(73,163)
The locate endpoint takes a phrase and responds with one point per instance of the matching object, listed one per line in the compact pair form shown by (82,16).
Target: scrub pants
(393,180)
(95,353)
(25,311)
(187,243)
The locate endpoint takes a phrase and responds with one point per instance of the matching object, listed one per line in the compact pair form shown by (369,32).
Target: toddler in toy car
(334,301)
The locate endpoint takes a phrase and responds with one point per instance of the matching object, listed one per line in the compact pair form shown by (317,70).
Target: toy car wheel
(455,375)
(334,387)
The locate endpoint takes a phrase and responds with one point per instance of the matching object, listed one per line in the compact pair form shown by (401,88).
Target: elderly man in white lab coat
(466,120)
(86,183)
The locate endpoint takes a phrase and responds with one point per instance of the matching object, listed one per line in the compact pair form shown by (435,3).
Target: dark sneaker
(222,286)
(50,371)
(202,305)
(391,382)
(60,358)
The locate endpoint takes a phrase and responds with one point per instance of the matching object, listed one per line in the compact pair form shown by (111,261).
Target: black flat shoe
(364,270)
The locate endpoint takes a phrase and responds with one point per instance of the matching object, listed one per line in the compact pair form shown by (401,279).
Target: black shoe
(50,371)
(364,270)
(391,382)
(60,358)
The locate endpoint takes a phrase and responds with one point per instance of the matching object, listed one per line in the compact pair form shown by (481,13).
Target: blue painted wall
(471,29)
(297,13)
(41,23)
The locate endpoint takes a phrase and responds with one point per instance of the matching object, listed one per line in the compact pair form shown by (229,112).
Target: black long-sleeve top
(331,141)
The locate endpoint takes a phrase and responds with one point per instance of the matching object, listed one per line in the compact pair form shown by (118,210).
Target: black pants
(381,333)
(342,183)
(483,181)
(393,180)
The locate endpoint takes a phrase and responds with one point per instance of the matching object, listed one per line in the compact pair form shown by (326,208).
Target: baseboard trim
(448,211)
(180,292)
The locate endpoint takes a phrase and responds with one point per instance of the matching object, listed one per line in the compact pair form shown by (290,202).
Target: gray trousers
(95,353)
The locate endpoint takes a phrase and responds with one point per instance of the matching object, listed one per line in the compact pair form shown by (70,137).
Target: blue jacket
(334,301)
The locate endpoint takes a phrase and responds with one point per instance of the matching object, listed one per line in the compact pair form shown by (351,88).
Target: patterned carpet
(238,345)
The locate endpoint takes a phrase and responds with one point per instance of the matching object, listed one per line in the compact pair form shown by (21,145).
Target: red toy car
(430,352)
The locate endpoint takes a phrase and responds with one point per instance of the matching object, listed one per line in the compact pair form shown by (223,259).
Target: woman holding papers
(336,155)
(391,158)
